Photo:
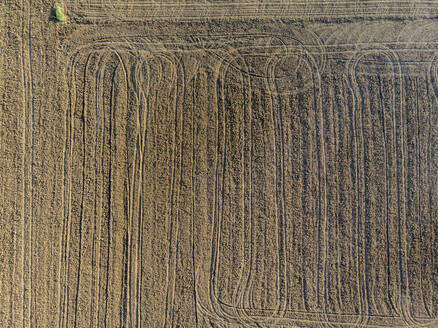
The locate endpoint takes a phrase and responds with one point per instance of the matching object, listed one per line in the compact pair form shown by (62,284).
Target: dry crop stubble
(222,165)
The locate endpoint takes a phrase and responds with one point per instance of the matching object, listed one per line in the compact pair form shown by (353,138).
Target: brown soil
(218,164)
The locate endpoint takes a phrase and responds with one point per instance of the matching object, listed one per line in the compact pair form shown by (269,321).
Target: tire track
(238,312)
(296,221)
(217,225)
(69,127)
(271,108)
(147,68)
(345,195)
(321,137)
(385,150)
(243,310)
(97,233)
(27,137)
(279,175)
(282,216)
(84,161)
(221,191)
(126,280)
(303,202)
(173,226)
(192,228)
(419,196)
(351,67)
(135,186)
(214,232)
(431,81)
(111,146)
(130,293)
(181,154)
(248,103)
(407,297)
(146,99)
(334,131)
(401,187)
(116,71)
(65,237)
(396,65)
(401,190)
(367,210)
(100,95)
(64,305)
(365,246)
(133,195)
(336,136)
(247,110)
(126,12)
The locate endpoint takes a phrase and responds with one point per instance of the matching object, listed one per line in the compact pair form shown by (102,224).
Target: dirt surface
(219,164)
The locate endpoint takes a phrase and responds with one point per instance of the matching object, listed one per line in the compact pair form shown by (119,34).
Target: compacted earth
(218,164)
